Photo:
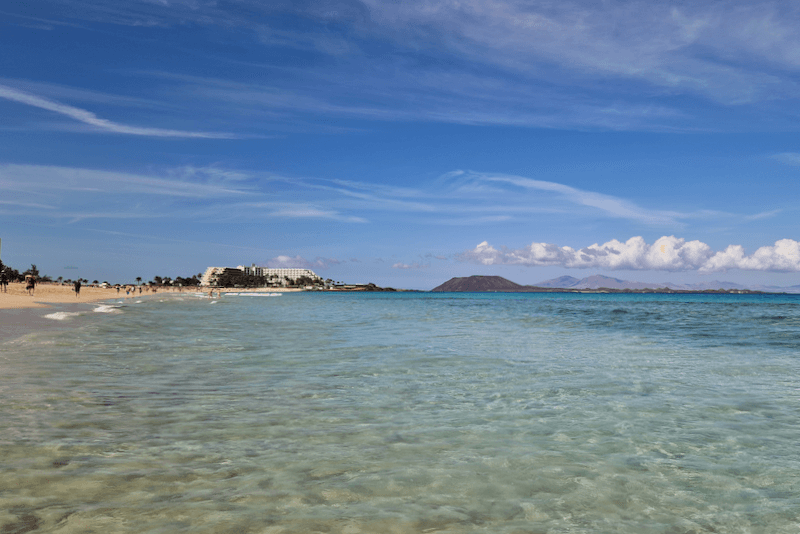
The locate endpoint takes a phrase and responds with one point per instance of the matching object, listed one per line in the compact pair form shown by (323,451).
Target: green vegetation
(179,281)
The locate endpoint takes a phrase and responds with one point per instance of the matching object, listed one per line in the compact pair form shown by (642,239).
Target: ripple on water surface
(406,413)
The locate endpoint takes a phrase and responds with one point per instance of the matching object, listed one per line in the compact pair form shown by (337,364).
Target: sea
(406,413)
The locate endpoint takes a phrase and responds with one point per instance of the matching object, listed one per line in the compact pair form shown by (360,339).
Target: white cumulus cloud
(668,253)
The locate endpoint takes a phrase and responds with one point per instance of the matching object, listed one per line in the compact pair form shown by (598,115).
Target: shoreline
(46,295)
(17,323)
(22,314)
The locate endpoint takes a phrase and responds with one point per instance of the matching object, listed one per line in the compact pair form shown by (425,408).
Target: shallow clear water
(407,412)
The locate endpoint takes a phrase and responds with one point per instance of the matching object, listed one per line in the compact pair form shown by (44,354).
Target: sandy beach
(17,297)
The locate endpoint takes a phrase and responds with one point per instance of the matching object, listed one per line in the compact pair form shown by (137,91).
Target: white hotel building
(211,275)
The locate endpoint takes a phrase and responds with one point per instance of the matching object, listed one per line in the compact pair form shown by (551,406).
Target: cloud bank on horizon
(667,253)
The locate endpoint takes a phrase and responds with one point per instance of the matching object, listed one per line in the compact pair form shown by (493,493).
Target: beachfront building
(280,275)
(212,274)
(275,277)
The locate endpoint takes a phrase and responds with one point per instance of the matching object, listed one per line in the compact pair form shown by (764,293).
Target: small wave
(252,294)
(106,308)
(61,316)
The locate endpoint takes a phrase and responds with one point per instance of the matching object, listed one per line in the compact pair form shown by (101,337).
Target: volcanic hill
(479,283)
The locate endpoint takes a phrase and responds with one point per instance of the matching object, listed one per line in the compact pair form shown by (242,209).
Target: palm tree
(138,280)
(33,271)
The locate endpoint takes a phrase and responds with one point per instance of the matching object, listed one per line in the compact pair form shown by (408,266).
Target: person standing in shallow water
(77,288)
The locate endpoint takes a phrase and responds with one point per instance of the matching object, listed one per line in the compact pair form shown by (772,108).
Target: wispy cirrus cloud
(26,204)
(47,179)
(298,262)
(574,63)
(607,204)
(667,253)
(305,211)
(705,48)
(457,199)
(763,215)
(473,198)
(87,117)
(580,64)
(79,194)
(789,158)
(299,210)
(387,90)
(72,194)
(415,265)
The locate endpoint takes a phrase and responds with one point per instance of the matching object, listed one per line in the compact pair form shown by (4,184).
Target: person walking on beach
(30,286)
(77,288)
(4,281)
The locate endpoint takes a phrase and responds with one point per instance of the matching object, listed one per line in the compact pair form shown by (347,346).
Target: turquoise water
(414,412)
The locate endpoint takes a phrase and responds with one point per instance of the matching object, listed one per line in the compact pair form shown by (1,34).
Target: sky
(402,143)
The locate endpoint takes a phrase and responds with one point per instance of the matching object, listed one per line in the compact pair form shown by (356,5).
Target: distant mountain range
(597,281)
(498,283)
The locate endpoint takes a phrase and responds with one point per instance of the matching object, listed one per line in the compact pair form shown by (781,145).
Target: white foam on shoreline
(61,316)
(252,294)
(106,308)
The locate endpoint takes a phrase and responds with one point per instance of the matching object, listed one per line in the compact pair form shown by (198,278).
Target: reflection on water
(406,413)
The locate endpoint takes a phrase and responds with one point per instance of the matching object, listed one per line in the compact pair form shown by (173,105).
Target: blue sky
(402,143)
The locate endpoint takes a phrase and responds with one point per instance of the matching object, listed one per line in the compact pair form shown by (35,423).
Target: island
(498,284)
